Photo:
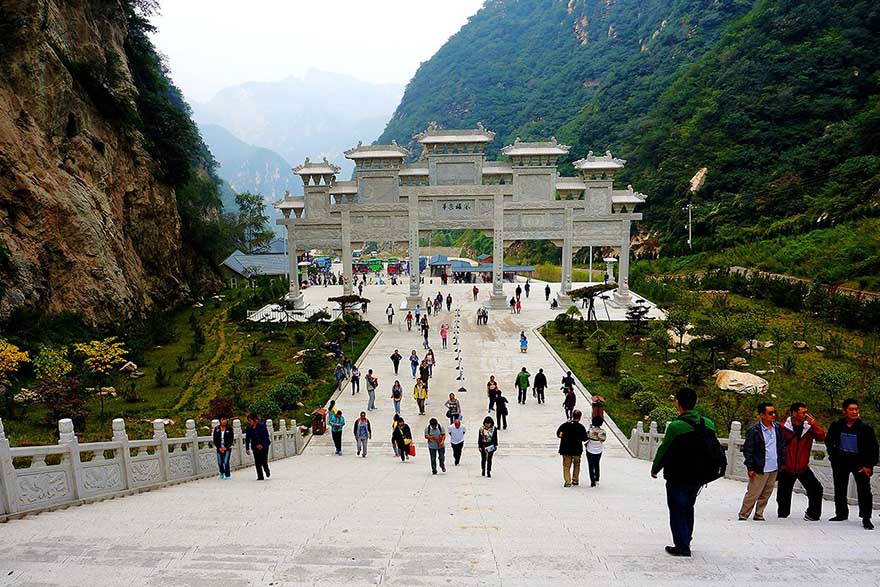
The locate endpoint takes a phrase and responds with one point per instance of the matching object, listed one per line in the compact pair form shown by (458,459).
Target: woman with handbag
(453,408)
(402,438)
(420,394)
(487,442)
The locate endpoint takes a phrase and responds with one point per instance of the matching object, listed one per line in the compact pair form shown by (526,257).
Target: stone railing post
(282,433)
(270,428)
(239,443)
(67,437)
(160,435)
(8,495)
(634,439)
(652,440)
(296,437)
(193,435)
(121,436)
(732,451)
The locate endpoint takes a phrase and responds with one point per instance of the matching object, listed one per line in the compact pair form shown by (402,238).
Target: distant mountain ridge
(319,115)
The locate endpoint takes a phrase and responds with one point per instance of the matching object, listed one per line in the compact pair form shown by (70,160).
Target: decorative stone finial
(282,425)
(324,159)
(236,427)
(65,431)
(2,432)
(480,126)
(119,432)
(214,423)
(191,428)
(307,161)
(159,429)
(360,143)
(589,155)
(608,154)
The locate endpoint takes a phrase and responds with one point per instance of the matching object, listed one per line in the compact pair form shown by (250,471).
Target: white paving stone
(328,520)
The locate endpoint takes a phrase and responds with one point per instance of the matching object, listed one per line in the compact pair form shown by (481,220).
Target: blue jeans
(223,462)
(415,367)
(396,406)
(680,498)
(438,452)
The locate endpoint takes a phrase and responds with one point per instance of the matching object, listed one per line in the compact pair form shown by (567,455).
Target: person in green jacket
(522,385)
(682,481)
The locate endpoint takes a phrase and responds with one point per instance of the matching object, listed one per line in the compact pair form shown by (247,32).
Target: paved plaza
(344,520)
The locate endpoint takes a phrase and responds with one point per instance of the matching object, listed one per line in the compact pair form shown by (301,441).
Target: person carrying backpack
(690,457)
(595,437)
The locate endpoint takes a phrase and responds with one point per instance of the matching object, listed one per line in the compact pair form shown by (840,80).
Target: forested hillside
(778,98)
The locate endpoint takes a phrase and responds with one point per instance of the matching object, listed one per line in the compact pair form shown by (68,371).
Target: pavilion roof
(602,162)
(311,168)
(628,196)
(392,151)
(524,149)
(435,135)
(344,187)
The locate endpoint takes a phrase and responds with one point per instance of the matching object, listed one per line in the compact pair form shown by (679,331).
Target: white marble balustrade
(37,478)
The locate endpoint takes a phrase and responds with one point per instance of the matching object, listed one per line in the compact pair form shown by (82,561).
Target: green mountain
(777,98)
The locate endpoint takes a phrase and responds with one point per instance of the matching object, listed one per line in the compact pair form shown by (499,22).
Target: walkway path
(323,519)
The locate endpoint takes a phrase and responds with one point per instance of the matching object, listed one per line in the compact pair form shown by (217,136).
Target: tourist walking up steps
(355,380)
(852,450)
(572,435)
(800,429)
(487,442)
(420,394)
(337,424)
(491,392)
(444,333)
(394,421)
(256,436)
(362,434)
(540,384)
(224,439)
(763,452)
(396,395)
(690,456)
(402,438)
(436,438)
(372,383)
(476,292)
(453,408)
(569,402)
(501,410)
(395,360)
(456,439)
(595,438)
(547,293)
(414,362)
(522,385)
(409,320)
(389,311)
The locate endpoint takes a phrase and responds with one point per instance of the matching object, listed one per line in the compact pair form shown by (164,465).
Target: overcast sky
(212,44)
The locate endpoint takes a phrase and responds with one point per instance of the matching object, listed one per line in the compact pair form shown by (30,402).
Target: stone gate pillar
(415,295)
(347,274)
(498,299)
(567,254)
(294,294)
(622,297)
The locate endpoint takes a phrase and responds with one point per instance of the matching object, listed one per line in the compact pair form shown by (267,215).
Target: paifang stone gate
(452,186)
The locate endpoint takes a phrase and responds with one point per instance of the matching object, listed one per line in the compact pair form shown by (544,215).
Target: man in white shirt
(763,452)
(389,311)
(456,438)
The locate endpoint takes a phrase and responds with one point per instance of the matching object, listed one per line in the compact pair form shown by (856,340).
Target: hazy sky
(211,44)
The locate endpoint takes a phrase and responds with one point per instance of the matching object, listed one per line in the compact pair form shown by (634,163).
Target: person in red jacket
(800,430)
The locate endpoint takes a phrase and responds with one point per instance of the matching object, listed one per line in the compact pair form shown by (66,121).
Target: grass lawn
(856,354)
(199,378)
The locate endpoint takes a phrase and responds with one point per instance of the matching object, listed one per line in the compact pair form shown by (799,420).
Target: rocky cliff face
(85,224)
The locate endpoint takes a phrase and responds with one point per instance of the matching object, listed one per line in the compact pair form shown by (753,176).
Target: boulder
(756,345)
(129,367)
(740,382)
(800,344)
(739,362)
(136,375)
(820,348)
(672,361)
(637,354)
(671,351)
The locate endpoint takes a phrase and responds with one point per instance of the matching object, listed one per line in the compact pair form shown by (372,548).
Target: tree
(253,231)
(52,364)
(833,381)
(11,358)
(101,358)
(750,326)
(678,320)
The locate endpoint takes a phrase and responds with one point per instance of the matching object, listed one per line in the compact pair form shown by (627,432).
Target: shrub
(629,386)
(266,409)
(286,395)
(251,374)
(313,362)
(319,316)
(645,401)
(299,337)
(161,378)
(609,359)
(299,379)
(663,413)
(219,406)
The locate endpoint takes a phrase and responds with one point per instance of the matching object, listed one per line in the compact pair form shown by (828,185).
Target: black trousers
(402,450)
(841,473)
(540,393)
(593,465)
(502,420)
(337,439)
(521,395)
(680,499)
(456,451)
(396,366)
(492,402)
(786,485)
(486,460)
(261,461)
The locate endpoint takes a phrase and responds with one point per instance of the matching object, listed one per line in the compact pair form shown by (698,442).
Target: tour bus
(356,254)
(322,264)
(375,265)
(423,262)
(395,267)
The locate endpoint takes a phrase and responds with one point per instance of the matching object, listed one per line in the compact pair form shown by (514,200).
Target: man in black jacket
(223,439)
(257,435)
(540,385)
(572,436)
(852,450)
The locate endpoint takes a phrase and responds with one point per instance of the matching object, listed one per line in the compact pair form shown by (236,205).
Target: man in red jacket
(800,430)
